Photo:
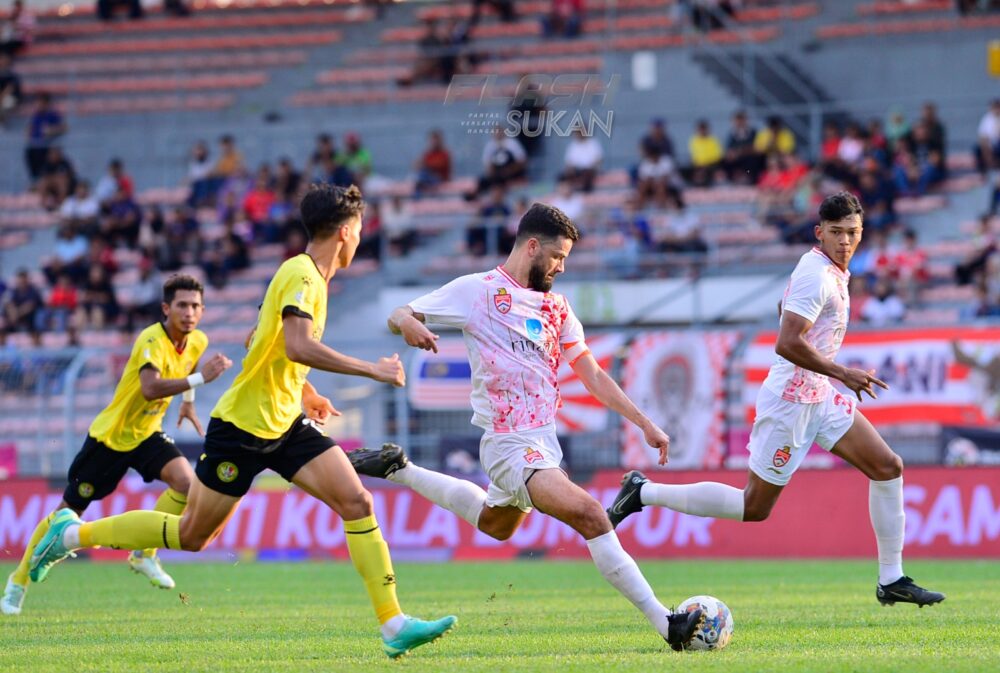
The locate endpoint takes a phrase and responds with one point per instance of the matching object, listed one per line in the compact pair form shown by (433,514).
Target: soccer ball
(715,633)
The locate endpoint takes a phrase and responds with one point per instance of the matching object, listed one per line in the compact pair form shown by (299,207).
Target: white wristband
(188,395)
(195,380)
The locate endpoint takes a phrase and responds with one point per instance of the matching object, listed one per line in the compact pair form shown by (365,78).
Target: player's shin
(20,575)
(707,498)
(370,555)
(169,502)
(132,530)
(621,571)
(885,505)
(456,495)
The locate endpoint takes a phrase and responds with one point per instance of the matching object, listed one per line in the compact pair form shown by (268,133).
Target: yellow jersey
(266,397)
(130,418)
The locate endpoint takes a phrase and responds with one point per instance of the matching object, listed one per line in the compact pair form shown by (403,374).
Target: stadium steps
(188,44)
(907,27)
(37,69)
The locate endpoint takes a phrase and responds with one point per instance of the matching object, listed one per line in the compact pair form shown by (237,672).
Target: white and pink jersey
(516,338)
(817,291)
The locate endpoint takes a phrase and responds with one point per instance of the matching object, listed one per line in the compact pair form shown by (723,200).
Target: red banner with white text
(950,513)
(947,375)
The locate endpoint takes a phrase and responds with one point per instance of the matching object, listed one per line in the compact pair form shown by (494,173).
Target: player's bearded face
(547,263)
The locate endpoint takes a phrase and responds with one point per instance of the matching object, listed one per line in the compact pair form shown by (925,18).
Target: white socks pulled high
(456,495)
(706,498)
(621,571)
(885,505)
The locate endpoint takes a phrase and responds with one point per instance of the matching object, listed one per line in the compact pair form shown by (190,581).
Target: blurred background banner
(678,379)
(935,375)
(950,513)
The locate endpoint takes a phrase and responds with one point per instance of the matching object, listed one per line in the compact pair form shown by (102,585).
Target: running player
(517,331)
(129,432)
(797,405)
(259,424)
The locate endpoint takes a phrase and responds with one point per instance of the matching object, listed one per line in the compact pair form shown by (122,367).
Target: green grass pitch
(523,616)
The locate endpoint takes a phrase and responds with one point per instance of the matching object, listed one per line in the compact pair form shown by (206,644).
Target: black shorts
(233,457)
(97,469)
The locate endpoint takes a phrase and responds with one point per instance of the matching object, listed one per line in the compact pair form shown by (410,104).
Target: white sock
(885,505)
(392,627)
(71,537)
(620,570)
(706,498)
(456,495)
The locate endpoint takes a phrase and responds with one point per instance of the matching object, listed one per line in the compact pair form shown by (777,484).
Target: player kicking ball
(517,331)
(797,405)
(259,424)
(129,432)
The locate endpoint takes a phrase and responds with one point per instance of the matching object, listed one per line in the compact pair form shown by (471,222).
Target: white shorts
(784,431)
(509,457)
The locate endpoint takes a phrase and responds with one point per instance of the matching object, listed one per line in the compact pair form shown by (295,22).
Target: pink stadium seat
(245,41)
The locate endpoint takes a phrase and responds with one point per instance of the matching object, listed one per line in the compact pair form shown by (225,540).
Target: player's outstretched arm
(411,325)
(302,348)
(154,388)
(608,393)
(792,346)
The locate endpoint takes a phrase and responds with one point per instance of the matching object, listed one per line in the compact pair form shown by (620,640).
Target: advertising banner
(950,513)
(948,375)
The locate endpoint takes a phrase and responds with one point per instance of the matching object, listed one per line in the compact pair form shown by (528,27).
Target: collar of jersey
(179,349)
(508,276)
(836,269)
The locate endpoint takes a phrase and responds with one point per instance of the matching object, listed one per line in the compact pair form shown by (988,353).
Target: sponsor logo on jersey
(782,456)
(227,472)
(503,301)
(534,327)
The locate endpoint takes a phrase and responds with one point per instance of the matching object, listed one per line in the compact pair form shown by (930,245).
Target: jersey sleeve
(571,338)
(298,294)
(806,295)
(449,305)
(151,353)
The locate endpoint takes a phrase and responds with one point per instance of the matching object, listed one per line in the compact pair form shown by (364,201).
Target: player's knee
(357,506)
(181,484)
(753,511)
(592,521)
(498,531)
(890,469)
(194,540)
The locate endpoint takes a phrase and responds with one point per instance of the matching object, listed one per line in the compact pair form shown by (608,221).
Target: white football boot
(13,597)
(151,568)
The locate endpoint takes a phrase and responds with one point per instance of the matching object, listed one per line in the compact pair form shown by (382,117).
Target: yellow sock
(370,555)
(141,529)
(21,571)
(169,502)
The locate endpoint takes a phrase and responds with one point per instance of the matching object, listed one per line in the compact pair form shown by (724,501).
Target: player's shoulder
(151,334)
(198,339)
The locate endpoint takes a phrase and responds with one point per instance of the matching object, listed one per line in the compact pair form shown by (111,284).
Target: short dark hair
(838,206)
(326,208)
(181,281)
(546,223)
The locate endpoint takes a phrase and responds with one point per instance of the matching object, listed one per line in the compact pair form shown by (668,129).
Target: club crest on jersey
(503,301)
(227,472)
(782,456)
(532,455)
(85,490)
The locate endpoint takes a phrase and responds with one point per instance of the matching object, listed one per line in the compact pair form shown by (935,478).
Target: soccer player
(258,424)
(129,432)
(797,405)
(517,331)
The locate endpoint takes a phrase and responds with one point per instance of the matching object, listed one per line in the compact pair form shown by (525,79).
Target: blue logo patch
(534,327)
